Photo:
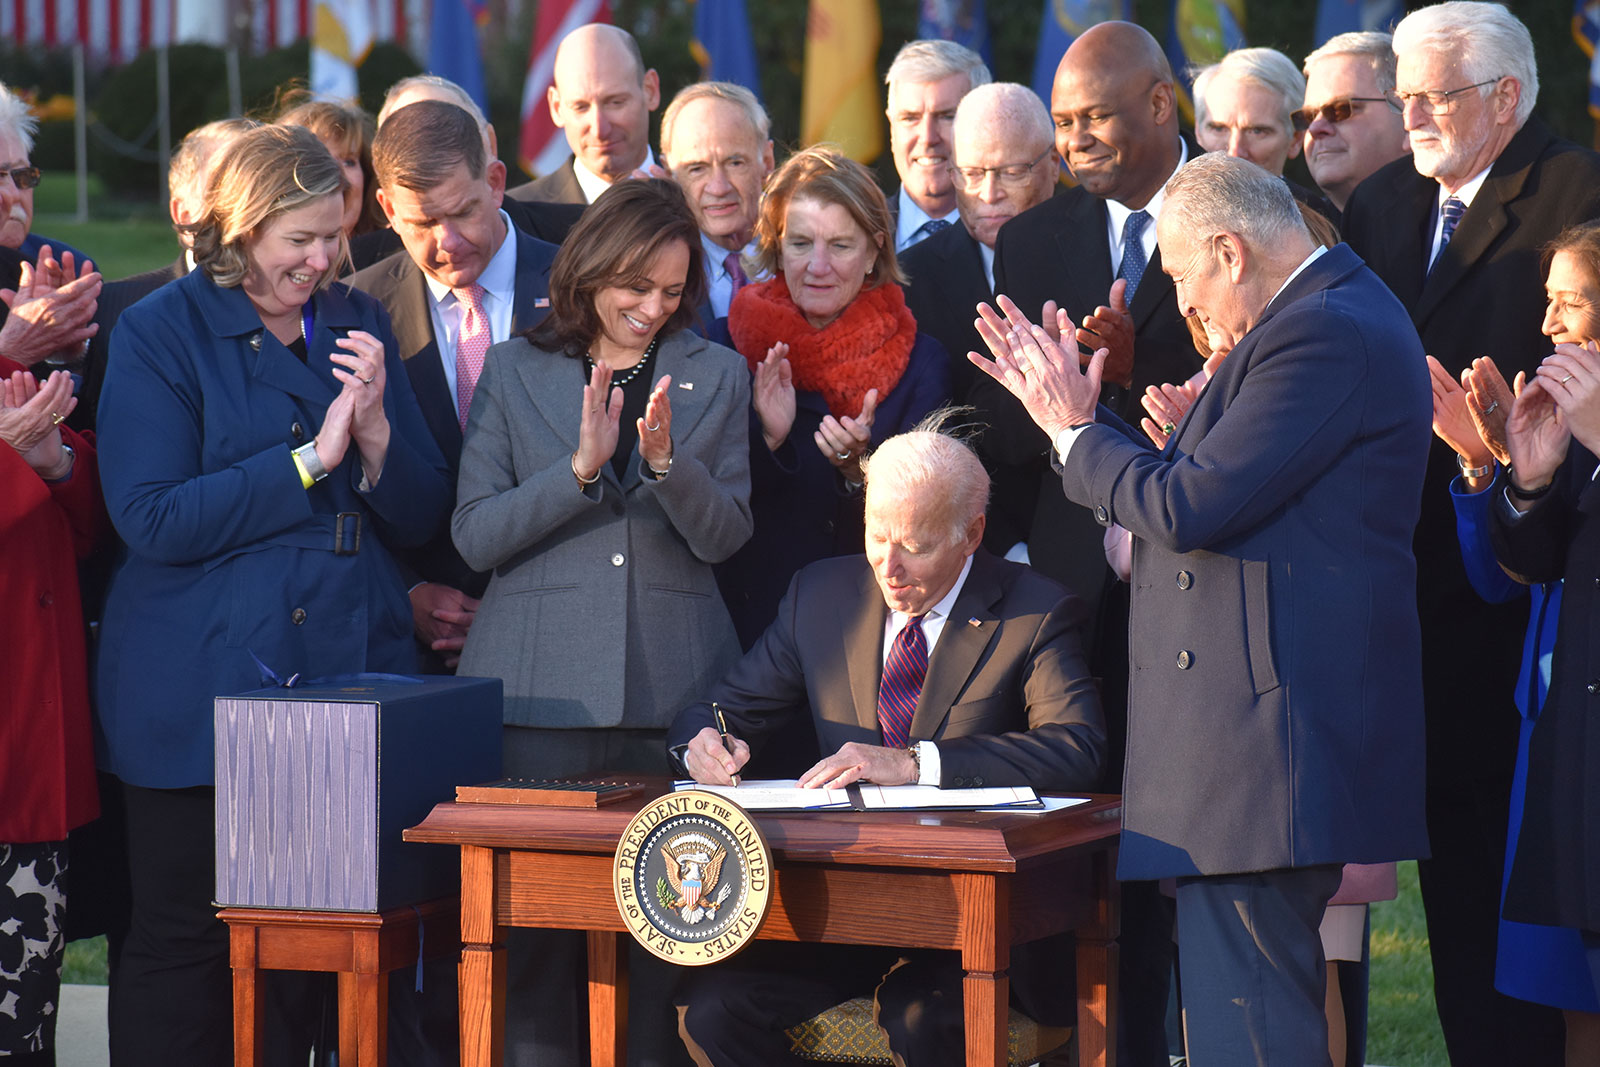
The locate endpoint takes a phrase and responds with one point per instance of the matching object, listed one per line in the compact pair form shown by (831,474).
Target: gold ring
(57,420)
(1567,379)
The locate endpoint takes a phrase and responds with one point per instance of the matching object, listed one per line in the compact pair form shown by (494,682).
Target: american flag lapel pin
(974,622)
(541,301)
(686,385)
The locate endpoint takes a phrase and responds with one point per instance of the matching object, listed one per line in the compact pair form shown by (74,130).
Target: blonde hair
(824,174)
(261,175)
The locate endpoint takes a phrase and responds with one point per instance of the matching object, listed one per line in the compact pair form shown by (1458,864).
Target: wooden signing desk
(975,883)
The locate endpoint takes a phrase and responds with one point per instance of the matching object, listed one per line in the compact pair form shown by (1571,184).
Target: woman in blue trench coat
(261,447)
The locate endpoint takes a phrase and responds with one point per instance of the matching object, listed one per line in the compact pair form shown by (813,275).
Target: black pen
(722,728)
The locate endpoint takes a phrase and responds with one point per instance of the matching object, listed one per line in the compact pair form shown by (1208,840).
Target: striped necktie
(901,683)
(1450,211)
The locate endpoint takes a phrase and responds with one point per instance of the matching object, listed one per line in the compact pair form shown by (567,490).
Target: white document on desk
(931,797)
(775,794)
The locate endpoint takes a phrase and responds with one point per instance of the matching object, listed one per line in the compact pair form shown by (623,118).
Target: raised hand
(597,431)
(1489,401)
(1571,375)
(47,319)
(655,428)
(844,440)
(1452,418)
(31,413)
(1036,370)
(772,395)
(1111,328)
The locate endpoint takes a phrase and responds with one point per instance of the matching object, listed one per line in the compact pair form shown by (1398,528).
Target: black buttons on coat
(297,616)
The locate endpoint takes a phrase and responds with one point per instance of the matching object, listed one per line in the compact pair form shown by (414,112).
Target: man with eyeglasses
(1351,122)
(52,309)
(1004,162)
(1455,232)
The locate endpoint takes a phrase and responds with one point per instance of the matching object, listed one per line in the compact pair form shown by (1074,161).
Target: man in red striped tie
(927,660)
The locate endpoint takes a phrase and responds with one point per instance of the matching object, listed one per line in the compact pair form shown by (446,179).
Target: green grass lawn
(122,237)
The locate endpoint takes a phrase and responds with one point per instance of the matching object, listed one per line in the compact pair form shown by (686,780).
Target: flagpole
(80,131)
(163,120)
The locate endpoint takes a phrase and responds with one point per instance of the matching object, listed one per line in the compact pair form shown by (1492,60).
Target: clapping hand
(1453,418)
(1111,328)
(772,394)
(1571,375)
(45,319)
(1489,401)
(597,430)
(1035,369)
(655,428)
(844,440)
(31,414)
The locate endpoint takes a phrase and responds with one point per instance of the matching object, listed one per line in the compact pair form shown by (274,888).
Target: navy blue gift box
(316,783)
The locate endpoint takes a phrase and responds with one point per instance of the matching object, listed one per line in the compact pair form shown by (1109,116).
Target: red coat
(47,783)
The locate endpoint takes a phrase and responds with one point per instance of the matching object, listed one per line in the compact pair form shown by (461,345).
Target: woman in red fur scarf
(838,367)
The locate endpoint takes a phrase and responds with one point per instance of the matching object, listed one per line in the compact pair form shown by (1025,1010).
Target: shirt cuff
(928,759)
(1065,439)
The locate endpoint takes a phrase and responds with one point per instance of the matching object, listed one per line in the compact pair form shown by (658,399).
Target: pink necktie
(901,683)
(472,343)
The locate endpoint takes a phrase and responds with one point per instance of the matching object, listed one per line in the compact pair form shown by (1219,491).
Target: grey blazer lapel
(967,632)
(554,387)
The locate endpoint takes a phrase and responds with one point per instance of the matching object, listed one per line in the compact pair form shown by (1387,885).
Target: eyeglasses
(1010,174)
(1338,110)
(1440,101)
(23,177)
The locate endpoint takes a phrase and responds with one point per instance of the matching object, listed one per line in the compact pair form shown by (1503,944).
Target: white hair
(919,62)
(737,95)
(1488,42)
(1010,110)
(1375,47)
(1215,193)
(931,457)
(15,117)
(1266,67)
(458,96)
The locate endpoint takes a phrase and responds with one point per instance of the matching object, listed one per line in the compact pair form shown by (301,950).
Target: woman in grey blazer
(605,469)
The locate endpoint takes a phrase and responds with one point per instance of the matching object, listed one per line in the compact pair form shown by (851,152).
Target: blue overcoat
(226,557)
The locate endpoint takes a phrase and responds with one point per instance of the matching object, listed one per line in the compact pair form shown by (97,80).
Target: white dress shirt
(932,627)
(1117,219)
(593,185)
(910,217)
(499,280)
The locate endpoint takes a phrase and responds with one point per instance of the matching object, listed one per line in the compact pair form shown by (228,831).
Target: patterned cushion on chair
(847,1034)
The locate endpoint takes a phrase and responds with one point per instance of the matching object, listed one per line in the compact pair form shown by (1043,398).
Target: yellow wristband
(306,481)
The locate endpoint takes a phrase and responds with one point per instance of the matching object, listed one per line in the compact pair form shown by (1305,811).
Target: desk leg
(1097,971)
(363,1019)
(985,955)
(608,998)
(246,996)
(483,963)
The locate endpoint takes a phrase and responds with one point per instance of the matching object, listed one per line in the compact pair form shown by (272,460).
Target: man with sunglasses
(1351,122)
(51,311)
(1455,232)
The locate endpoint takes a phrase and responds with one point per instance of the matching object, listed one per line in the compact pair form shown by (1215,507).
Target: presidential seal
(693,877)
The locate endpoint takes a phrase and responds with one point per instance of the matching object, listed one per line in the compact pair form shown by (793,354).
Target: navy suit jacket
(115,298)
(1485,297)
(229,561)
(1275,697)
(399,285)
